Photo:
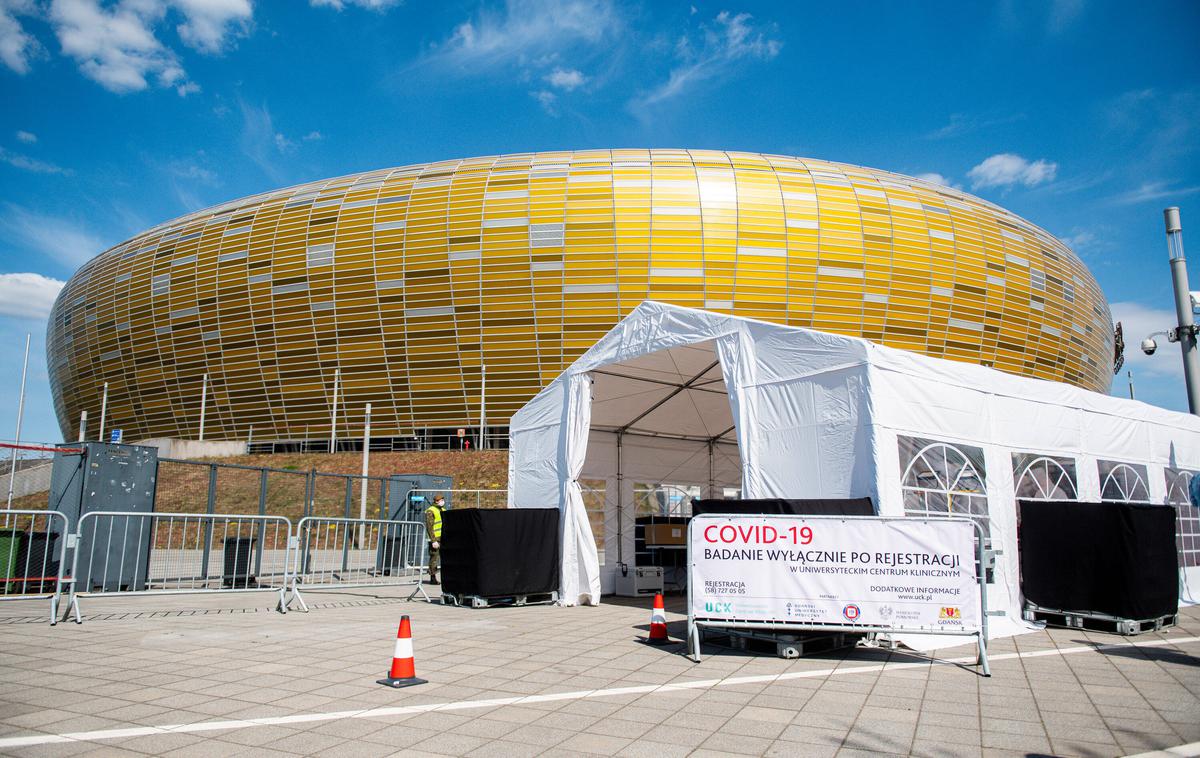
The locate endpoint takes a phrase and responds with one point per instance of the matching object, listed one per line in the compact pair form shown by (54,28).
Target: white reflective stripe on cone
(658,617)
(403,648)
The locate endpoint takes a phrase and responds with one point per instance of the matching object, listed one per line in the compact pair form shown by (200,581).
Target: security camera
(1149,346)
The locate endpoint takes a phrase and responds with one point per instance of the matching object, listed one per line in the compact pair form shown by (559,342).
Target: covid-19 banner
(903,574)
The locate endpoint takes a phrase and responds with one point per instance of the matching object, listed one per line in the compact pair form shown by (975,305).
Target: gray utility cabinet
(99,476)
(408,497)
(410,494)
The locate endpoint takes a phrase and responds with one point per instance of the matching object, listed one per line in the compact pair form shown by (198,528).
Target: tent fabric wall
(820,416)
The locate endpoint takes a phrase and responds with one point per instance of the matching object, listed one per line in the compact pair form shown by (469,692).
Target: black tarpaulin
(500,552)
(1112,558)
(859,506)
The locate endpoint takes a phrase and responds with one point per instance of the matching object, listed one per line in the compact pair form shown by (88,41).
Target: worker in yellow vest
(433,528)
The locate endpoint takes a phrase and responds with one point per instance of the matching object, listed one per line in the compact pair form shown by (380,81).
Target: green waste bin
(10,546)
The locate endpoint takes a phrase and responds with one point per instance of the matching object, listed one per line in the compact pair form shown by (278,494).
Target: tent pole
(620,532)
(710,469)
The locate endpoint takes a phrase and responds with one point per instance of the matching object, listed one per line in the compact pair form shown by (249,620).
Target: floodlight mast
(1185,334)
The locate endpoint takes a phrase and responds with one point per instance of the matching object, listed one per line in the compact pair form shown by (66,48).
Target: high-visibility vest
(433,520)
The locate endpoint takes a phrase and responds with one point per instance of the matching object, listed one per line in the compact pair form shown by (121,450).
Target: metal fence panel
(350,552)
(121,553)
(237,489)
(460,498)
(33,553)
(286,494)
(332,496)
(181,487)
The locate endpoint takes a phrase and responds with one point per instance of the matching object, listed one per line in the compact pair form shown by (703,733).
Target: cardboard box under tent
(674,394)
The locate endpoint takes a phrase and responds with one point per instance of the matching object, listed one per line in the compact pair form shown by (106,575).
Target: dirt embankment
(184,488)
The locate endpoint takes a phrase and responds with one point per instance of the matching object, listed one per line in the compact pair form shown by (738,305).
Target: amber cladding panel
(410,280)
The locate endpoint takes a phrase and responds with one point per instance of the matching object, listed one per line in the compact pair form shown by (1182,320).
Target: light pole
(1185,332)
(483,407)
(103,413)
(366,457)
(12,474)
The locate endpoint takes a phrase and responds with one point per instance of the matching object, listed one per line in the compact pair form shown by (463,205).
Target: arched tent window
(1123,482)
(943,479)
(1044,477)
(1188,529)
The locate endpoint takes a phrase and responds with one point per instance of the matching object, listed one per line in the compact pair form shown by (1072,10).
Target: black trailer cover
(500,552)
(1113,558)
(859,506)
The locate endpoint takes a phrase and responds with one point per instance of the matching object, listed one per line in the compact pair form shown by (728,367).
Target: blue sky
(1083,117)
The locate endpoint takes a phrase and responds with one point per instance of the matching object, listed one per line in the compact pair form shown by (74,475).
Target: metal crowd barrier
(33,556)
(348,552)
(122,553)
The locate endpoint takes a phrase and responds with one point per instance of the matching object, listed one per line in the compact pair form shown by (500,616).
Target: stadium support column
(103,412)
(337,376)
(1186,331)
(203,403)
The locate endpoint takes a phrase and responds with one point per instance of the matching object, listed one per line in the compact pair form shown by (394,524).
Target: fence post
(346,539)
(262,525)
(383,499)
(208,531)
(309,490)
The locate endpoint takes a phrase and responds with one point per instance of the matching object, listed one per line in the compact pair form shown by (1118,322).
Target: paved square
(203,676)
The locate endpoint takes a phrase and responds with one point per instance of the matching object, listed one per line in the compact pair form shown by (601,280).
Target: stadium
(399,286)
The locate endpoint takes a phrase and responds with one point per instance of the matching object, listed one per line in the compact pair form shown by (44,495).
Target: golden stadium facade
(409,280)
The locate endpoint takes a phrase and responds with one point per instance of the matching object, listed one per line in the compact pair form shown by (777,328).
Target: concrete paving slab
(222,675)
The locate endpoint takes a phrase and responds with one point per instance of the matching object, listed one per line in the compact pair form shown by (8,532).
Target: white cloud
(1139,321)
(546,99)
(730,40)
(59,239)
(259,140)
(25,163)
(1062,14)
(28,295)
(528,31)
(210,24)
(27,137)
(1079,239)
(1008,169)
(338,5)
(313,136)
(565,79)
(118,46)
(935,178)
(17,46)
(186,169)
(1148,191)
(961,123)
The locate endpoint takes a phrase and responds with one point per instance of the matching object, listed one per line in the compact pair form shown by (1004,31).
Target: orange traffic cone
(404,671)
(658,623)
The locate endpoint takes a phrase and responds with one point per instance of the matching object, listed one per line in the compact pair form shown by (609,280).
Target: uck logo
(718,607)
(951,612)
(852,612)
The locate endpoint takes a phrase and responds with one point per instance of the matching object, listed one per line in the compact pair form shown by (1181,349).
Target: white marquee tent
(673,394)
